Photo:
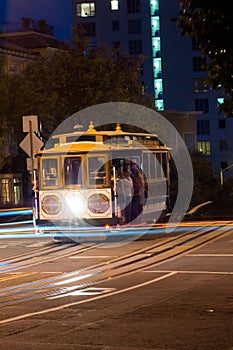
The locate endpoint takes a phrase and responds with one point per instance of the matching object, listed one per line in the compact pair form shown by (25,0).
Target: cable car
(80,179)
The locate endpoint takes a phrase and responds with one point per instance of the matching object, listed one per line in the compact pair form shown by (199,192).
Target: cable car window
(72,170)
(49,171)
(153,165)
(158,165)
(97,170)
(146,164)
(164,164)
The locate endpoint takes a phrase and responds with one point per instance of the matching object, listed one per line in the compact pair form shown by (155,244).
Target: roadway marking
(192,272)
(92,257)
(97,297)
(85,291)
(220,255)
(12,277)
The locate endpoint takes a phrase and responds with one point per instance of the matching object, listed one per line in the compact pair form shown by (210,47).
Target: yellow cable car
(82,179)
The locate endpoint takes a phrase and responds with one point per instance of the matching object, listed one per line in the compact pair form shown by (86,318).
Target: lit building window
(156,54)
(114,5)
(199,85)
(204,147)
(199,63)
(86,9)
(220,101)
(5,185)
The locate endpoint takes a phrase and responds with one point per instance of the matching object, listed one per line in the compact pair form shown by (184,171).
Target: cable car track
(63,284)
(53,252)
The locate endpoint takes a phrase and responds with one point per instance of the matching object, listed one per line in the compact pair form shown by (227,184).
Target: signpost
(31,142)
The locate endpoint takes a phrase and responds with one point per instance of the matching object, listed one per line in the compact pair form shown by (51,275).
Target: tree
(69,81)
(209,23)
(206,186)
(57,86)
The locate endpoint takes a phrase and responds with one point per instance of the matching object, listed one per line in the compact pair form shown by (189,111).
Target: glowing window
(114,5)
(49,172)
(86,9)
(199,85)
(204,147)
(5,185)
(97,170)
(220,101)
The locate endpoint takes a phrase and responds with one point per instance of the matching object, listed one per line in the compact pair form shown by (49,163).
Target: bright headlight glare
(75,203)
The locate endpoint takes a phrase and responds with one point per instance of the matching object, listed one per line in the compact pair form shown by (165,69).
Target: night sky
(57,13)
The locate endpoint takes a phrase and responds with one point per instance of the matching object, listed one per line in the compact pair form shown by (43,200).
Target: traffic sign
(26,144)
(30,123)
(30,165)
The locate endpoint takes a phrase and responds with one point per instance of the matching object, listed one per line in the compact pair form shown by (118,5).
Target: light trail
(26,229)
(19,211)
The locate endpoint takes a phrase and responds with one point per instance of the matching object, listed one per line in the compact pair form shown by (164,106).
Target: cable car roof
(116,140)
(98,134)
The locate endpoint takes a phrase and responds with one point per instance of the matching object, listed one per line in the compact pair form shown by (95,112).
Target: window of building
(86,9)
(135,47)
(204,147)
(16,190)
(154,8)
(114,5)
(199,85)
(195,45)
(220,101)
(202,104)
(155,26)
(199,63)
(223,146)
(203,127)
(88,29)
(134,26)
(115,25)
(5,185)
(222,123)
(133,6)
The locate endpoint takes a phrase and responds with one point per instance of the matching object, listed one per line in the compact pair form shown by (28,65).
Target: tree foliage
(206,185)
(57,86)
(210,23)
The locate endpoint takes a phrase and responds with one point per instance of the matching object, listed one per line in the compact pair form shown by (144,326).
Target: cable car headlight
(51,204)
(75,203)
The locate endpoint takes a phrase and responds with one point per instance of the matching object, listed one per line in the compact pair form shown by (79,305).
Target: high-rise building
(174,69)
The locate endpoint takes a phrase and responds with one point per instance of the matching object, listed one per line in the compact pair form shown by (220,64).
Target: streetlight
(221,173)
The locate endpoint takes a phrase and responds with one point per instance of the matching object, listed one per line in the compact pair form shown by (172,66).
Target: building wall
(176,79)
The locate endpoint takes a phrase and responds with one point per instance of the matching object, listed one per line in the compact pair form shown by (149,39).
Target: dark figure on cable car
(138,192)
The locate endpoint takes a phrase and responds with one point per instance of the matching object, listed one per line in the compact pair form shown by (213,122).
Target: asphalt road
(163,292)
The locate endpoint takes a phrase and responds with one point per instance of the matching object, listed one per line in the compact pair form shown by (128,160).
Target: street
(163,291)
